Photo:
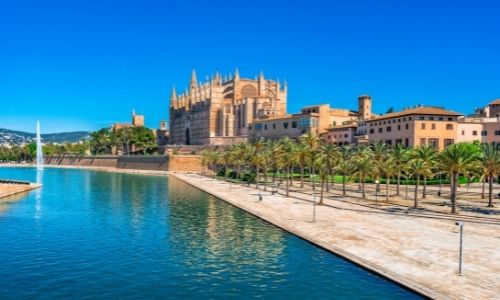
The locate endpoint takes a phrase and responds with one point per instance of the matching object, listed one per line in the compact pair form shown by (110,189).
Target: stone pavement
(418,252)
(12,189)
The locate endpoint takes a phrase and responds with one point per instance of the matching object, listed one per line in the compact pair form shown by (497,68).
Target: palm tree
(380,152)
(455,160)
(275,148)
(390,169)
(329,156)
(256,158)
(399,156)
(312,142)
(489,162)
(363,166)
(266,163)
(344,167)
(301,154)
(428,156)
(210,158)
(286,159)
(226,159)
(239,157)
(323,169)
(418,167)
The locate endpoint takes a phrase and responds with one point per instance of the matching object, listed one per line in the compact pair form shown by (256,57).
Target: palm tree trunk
(387,189)
(287,180)
(312,177)
(490,191)
(454,193)
(363,187)
(327,182)
(415,200)
(302,176)
(343,185)
(397,186)
(257,177)
(322,189)
(424,194)
(482,186)
(265,179)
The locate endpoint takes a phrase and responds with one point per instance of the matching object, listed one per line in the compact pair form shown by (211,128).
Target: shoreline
(425,275)
(102,169)
(7,190)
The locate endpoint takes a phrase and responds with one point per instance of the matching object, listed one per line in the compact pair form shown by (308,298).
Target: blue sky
(81,65)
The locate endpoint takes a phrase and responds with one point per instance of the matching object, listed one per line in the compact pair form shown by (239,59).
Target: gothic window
(248,91)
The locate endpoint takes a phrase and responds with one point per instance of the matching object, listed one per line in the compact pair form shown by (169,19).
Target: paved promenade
(12,189)
(418,252)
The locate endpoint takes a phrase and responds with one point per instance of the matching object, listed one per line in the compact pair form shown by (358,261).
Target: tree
(428,156)
(418,167)
(363,166)
(312,143)
(301,155)
(344,167)
(329,156)
(489,162)
(389,171)
(286,159)
(100,141)
(399,156)
(380,151)
(275,148)
(143,139)
(455,160)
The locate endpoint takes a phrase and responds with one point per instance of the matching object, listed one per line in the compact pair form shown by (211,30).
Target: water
(39,153)
(90,234)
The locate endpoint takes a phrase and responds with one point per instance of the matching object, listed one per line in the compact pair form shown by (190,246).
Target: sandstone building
(220,110)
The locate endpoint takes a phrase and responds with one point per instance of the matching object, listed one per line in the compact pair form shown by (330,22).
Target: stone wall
(175,163)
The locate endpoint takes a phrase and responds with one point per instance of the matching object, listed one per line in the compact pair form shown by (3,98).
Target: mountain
(8,137)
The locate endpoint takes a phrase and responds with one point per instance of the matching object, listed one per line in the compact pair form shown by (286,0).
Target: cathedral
(220,110)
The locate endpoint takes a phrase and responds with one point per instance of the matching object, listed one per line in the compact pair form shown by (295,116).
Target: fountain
(39,154)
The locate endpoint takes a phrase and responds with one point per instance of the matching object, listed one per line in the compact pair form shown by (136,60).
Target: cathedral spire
(193,81)
(261,74)
(173,96)
(236,74)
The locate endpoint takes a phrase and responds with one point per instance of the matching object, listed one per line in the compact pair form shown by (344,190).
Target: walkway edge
(411,285)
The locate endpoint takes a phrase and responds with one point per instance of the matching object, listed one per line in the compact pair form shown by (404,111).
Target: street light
(461,225)
(377,189)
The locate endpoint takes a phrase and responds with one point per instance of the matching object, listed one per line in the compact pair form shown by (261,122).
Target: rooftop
(422,110)
(494,102)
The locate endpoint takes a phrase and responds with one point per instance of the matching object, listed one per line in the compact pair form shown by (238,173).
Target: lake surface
(89,234)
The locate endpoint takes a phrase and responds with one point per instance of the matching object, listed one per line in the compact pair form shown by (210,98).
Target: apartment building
(434,126)
(483,130)
(292,126)
(341,135)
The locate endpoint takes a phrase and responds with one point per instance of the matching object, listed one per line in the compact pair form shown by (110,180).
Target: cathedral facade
(220,110)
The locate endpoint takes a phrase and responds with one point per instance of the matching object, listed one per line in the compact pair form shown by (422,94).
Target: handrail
(10,181)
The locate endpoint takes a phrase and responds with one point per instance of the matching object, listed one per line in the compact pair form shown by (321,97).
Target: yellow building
(433,126)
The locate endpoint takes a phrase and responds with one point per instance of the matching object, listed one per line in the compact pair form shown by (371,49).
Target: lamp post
(461,225)
(377,187)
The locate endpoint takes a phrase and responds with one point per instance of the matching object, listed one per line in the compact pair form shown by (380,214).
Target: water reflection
(38,195)
(220,240)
